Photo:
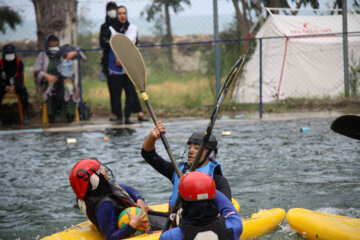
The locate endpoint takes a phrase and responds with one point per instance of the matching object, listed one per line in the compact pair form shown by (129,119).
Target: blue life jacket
(208,168)
(112,63)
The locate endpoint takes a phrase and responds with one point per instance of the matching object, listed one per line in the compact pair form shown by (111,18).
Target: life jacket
(214,231)
(118,197)
(208,168)
(17,74)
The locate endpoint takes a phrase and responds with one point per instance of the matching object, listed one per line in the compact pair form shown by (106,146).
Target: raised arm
(154,134)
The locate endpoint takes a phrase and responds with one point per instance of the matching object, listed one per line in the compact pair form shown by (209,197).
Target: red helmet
(195,186)
(80,176)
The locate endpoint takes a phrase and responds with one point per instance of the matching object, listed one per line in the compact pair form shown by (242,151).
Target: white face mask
(111,14)
(54,50)
(10,57)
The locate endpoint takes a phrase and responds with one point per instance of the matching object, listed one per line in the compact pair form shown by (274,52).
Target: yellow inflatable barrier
(262,222)
(316,225)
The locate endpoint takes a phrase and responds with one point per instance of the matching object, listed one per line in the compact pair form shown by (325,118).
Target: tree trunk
(56,17)
(168,37)
(242,23)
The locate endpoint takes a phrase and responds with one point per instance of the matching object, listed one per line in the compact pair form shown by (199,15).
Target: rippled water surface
(268,164)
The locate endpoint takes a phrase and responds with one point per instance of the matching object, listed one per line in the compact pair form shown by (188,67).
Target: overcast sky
(96,8)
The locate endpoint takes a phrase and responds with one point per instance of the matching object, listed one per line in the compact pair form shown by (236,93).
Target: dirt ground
(281,110)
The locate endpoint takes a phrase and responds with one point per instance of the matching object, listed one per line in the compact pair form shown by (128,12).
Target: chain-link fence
(309,65)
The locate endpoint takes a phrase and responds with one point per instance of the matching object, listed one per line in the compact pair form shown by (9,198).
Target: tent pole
(345,48)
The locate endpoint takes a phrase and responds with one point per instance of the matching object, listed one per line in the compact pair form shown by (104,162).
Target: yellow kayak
(258,224)
(316,225)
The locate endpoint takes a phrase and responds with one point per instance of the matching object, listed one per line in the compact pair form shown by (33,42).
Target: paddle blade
(234,72)
(347,125)
(130,59)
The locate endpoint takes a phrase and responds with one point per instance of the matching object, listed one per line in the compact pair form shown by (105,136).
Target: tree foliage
(9,16)
(162,7)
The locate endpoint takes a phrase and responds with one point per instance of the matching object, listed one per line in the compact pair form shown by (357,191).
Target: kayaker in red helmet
(207,163)
(102,200)
(207,213)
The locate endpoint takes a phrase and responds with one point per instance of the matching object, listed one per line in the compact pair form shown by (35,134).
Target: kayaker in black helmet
(207,163)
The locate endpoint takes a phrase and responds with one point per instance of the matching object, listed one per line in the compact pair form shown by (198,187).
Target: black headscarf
(120,27)
(9,66)
(110,6)
(199,212)
(103,188)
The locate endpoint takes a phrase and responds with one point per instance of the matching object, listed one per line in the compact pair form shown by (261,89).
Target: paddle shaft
(220,99)
(156,213)
(162,136)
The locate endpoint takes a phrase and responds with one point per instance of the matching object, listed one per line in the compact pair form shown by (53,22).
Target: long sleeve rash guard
(226,209)
(107,217)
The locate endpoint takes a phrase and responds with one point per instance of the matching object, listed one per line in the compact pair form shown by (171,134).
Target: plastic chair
(20,106)
(45,117)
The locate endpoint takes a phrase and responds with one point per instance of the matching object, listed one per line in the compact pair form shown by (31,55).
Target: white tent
(305,66)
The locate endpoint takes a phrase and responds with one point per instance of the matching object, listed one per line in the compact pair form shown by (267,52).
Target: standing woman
(104,35)
(118,78)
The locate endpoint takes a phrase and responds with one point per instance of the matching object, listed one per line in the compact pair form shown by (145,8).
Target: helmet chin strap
(82,206)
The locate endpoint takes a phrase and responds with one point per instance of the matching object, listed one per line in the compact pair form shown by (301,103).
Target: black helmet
(197,137)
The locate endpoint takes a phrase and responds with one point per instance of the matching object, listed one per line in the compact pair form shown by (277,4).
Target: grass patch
(188,92)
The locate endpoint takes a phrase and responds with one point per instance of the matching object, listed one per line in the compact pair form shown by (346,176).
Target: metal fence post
(217,50)
(345,48)
(80,87)
(260,81)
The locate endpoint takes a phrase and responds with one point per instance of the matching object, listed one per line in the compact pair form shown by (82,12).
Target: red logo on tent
(310,28)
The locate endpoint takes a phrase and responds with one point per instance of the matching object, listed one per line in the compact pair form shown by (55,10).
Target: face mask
(111,14)
(54,50)
(10,57)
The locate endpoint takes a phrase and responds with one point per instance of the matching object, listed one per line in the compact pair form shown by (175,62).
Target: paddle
(347,125)
(156,213)
(131,60)
(226,86)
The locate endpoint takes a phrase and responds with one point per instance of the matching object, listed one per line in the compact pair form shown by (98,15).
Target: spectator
(54,73)
(12,78)
(117,79)
(104,36)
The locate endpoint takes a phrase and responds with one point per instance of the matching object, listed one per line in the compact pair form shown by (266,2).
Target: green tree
(162,7)
(9,16)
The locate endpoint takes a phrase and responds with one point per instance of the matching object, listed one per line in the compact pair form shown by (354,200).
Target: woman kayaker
(207,163)
(102,200)
(202,205)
